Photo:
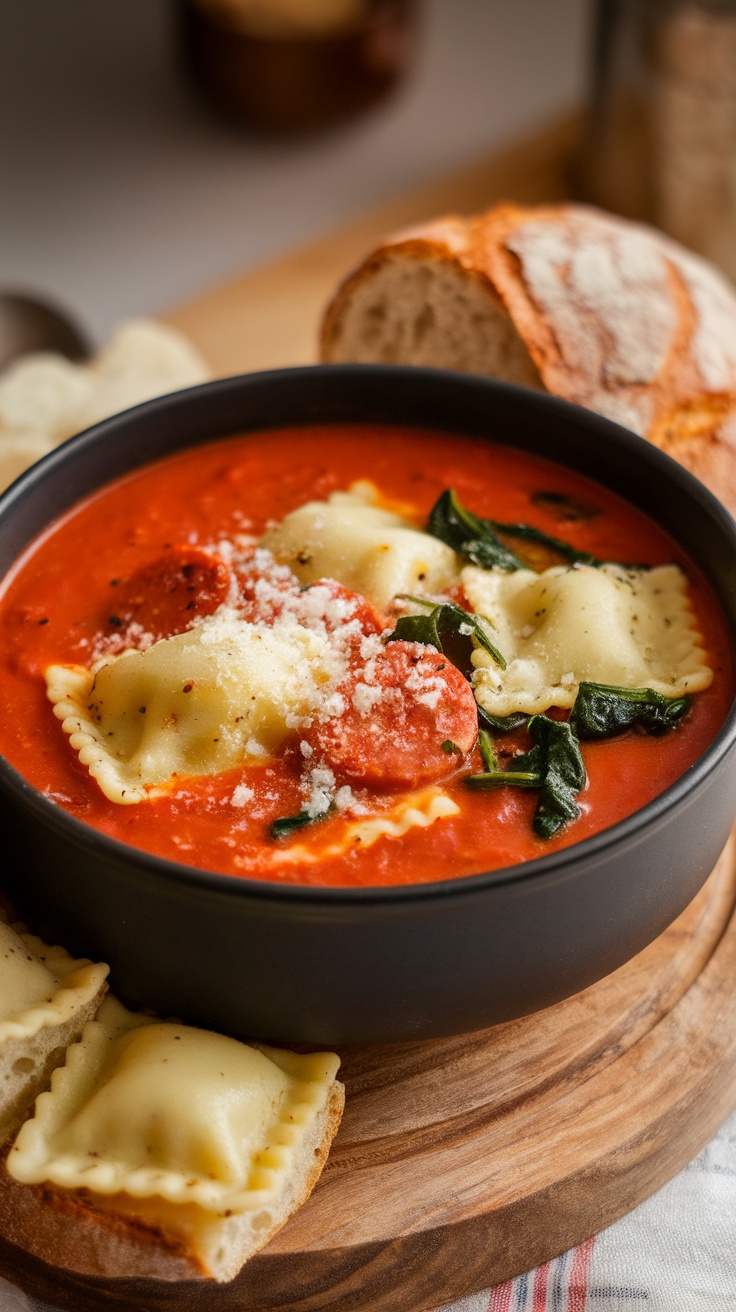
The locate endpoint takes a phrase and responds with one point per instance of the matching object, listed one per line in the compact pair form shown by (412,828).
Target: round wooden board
(464,1161)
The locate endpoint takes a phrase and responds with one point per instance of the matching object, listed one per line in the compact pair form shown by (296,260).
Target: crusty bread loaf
(147,1238)
(603,312)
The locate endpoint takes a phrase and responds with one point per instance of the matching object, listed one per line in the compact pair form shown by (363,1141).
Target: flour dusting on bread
(606,313)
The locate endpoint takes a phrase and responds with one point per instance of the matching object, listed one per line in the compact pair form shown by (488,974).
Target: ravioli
(40,986)
(45,998)
(220,694)
(229,729)
(24,980)
(629,628)
(364,546)
(150,1109)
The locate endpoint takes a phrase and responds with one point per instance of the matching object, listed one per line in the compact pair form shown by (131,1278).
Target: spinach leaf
(601,711)
(553,765)
(469,536)
(502,723)
(495,778)
(487,751)
(417,628)
(478,541)
(288,824)
(528,533)
(445,627)
(556,754)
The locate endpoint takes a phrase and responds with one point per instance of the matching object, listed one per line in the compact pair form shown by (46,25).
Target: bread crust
(614,316)
(677,304)
(76,1230)
(703,439)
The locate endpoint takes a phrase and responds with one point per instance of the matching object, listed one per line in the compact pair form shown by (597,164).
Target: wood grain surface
(463,1161)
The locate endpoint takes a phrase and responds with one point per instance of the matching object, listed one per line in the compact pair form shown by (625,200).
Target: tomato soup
(356,794)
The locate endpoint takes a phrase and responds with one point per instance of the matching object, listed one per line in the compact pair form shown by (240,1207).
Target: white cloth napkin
(674,1253)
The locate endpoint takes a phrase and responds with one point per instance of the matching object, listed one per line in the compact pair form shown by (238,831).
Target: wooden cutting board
(462,1162)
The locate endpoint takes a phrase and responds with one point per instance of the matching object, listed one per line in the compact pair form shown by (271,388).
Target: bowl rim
(561,862)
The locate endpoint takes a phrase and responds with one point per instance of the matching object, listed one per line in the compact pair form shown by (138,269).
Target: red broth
(52,601)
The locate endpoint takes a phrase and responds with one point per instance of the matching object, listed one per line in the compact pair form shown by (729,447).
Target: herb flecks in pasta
(364,546)
(198,703)
(45,998)
(569,625)
(40,986)
(158,1110)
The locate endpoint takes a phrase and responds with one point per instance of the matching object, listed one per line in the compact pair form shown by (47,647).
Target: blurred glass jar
(295,66)
(661,142)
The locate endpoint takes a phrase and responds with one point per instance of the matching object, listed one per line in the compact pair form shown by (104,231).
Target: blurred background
(125,188)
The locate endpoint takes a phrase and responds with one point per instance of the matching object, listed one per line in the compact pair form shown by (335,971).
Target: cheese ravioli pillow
(198,1145)
(46,997)
(629,628)
(364,546)
(198,703)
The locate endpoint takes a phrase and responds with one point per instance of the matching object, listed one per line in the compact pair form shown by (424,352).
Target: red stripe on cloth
(501,1297)
(578,1287)
(541,1280)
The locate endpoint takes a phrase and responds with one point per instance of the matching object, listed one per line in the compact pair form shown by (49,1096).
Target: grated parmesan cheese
(318,789)
(242,795)
(366,697)
(426,687)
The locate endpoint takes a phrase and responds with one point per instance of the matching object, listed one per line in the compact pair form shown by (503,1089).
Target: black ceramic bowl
(330,965)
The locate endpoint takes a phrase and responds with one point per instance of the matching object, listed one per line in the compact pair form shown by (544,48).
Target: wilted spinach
(472,538)
(502,723)
(478,541)
(567,508)
(602,710)
(528,533)
(288,824)
(554,765)
(445,627)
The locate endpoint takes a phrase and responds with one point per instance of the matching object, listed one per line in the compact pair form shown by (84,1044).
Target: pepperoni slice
(266,592)
(264,587)
(400,709)
(337,605)
(165,597)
